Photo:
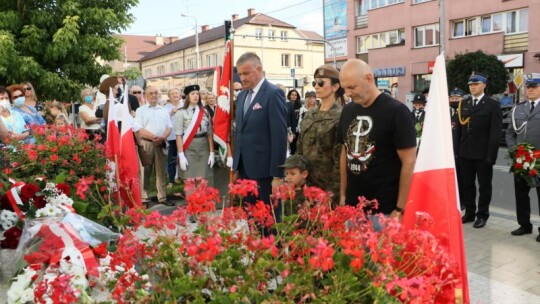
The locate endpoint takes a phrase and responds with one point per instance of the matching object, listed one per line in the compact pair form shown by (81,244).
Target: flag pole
(231,104)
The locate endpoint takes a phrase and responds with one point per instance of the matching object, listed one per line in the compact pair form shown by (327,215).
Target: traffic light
(227,30)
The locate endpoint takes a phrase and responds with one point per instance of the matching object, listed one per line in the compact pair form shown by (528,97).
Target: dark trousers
(265,190)
(459,181)
(171,160)
(523,202)
(471,169)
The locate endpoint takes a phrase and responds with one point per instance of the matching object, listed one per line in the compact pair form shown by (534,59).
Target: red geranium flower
(64,188)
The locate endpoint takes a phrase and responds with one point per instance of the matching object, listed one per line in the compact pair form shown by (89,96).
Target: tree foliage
(460,68)
(56,44)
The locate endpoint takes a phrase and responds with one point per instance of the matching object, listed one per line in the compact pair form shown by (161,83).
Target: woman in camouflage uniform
(317,141)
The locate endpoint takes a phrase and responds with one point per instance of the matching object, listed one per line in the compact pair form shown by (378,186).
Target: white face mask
(4,104)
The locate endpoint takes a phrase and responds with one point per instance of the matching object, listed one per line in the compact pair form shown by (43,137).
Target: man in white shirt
(154,119)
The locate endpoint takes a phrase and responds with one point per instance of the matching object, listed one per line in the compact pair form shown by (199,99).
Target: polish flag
(112,145)
(433,187)
(222,117)
(128,164)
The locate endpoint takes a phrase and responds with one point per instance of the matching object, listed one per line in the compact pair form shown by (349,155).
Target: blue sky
(164,16)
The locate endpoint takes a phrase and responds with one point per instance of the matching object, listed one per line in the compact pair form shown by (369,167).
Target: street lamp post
(196,38)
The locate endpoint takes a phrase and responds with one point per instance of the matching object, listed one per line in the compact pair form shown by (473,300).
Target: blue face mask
(88,99)
(19,102)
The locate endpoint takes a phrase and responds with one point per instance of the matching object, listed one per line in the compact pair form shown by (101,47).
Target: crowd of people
(347,137)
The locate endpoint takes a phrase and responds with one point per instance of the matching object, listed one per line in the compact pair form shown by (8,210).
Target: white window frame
(271,34)
(424,29)
(258,33)
(191,64)
(161,69)
(299,60)
(501,19)
(147,73)
(283,35)
(365,5)
(285,60)
(420,1)
(378,40)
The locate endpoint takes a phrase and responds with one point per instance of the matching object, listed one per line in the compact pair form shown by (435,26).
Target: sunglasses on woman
(28,89)
(319,82)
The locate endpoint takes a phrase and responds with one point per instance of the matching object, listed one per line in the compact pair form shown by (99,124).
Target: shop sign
(389,72)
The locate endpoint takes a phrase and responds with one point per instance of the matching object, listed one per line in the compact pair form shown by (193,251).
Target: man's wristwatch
(400,210)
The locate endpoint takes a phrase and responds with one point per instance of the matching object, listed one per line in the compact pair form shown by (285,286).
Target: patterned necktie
(247,102)
(532,106)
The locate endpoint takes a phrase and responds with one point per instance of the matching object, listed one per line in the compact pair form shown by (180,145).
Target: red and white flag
(128,164)
(112,145)
(434,185)
(222,117)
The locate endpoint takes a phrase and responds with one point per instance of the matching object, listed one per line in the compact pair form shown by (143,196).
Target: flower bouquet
(524,163)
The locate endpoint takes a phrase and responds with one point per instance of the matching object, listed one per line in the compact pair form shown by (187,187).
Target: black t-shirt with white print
(371,136)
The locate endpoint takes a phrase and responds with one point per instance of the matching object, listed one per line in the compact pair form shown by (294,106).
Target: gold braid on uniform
(461,121)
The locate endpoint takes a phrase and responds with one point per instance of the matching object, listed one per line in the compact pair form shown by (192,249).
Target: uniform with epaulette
(480,127)
(524,127)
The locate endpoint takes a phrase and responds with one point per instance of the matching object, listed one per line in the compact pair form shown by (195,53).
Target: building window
(147,73)
(285,60)
(510,22)
(426,35)
(271,34)
(420,1)
(486,24)
(298,62)
(283,35)
(365,5)
(161,69)
(191,64)
(258,33)
(380,40)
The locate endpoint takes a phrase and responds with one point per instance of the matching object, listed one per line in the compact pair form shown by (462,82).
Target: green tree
(56,44)
(461,67)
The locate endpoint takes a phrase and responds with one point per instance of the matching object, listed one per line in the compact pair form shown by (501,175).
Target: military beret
(326,71)
(190,88)
(419,98)
(296,161)
(533,80)
(477,78)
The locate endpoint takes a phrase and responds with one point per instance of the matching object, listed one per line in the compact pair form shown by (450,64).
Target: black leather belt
(200,135)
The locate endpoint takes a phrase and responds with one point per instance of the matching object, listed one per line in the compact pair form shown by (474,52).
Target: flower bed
(239,255)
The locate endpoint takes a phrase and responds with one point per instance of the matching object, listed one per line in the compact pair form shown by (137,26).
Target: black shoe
(479,223)
(521,231)
(167,203)
(538,237)
(467,218)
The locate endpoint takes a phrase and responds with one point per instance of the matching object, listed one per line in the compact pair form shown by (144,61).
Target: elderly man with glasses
(154,119)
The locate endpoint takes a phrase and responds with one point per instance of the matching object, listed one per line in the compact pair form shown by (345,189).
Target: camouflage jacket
(318,143)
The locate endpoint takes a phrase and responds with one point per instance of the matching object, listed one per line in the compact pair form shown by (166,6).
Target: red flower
(533,172)
(322,255)
(40,202)
(100,251)
(64,188)
(32,155)
(54,157)
(12,237)
(244,187)
(29,191)
(518,166)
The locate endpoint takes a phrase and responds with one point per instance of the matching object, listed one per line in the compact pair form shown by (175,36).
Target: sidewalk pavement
(502,269)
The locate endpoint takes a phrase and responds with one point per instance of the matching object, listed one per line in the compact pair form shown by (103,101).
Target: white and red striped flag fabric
(433,188)
(112,145)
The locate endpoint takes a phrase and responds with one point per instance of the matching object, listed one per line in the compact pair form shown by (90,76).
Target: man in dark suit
(525,128)
(261,128)
(481,123)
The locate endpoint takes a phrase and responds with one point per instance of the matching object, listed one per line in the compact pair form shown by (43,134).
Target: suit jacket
(530,133)
(261,134)
(480,137)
